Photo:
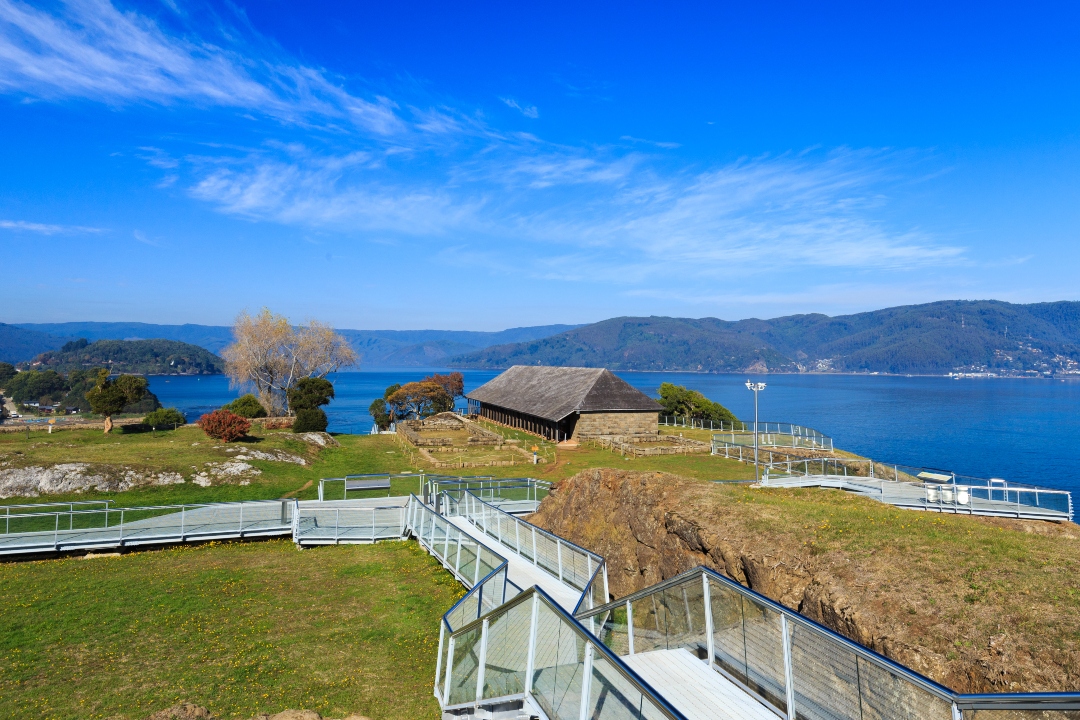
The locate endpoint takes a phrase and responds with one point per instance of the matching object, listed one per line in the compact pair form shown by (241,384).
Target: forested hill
(935,338)
(148,357)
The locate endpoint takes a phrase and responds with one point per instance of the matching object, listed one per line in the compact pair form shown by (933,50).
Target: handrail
(962,701)
(591,644)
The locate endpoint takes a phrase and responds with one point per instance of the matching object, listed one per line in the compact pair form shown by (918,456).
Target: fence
(797,667)
(407,482)
(487,488)
(573,565)
(531,648)
(774,439)
(763,427)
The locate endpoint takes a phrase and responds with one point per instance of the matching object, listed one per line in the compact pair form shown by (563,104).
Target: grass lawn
(240,628)
(187,450)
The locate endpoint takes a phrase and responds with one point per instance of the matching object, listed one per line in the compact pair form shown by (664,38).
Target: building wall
(615,423)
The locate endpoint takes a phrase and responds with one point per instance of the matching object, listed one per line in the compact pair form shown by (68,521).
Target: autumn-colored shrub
(224,425)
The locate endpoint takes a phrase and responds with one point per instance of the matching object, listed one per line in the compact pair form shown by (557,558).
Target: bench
(382,484)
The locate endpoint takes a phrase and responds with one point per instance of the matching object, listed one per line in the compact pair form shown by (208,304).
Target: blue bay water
(1021,430)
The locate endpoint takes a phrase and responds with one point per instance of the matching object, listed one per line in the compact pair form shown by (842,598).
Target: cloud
(665,145)
(528,111)
(93,50)
(46,229)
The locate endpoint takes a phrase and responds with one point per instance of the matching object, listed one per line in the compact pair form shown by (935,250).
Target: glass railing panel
(729,640)
(465,612)
(686,616)
(507,652)
(887,696)
(826,677)
(464,669)
(613,631)
(547,554)
(764,652)
(467,568)
(650,624)
(612,696)
(558,666)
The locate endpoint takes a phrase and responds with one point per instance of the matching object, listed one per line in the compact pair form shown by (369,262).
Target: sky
(489,165)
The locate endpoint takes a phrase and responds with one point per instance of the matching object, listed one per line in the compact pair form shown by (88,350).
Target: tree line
(432,395)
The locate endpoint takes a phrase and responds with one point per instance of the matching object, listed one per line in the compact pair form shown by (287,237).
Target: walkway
(695,690)
(913,497)
(520,571)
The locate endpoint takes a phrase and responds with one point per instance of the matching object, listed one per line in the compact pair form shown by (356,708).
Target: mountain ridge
(984,337)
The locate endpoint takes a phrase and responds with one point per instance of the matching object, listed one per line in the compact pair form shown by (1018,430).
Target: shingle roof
(552,393)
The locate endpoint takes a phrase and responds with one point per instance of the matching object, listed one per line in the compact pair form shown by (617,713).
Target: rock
(78,477)
(273,455)
(321,439)
(183,711)
(230,470)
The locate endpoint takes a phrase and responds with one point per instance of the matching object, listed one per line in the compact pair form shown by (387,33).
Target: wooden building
(562,403)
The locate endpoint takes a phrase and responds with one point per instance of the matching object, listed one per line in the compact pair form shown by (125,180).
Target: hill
(18,344)
(148,357)
(385,348)
(934,338)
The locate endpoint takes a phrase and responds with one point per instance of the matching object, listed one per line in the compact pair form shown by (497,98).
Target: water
(1020,430)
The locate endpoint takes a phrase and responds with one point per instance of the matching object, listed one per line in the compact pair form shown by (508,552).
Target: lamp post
(756,387)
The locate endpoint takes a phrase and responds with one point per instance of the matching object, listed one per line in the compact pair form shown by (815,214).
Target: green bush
(310,420)
(164,418)
(247,406)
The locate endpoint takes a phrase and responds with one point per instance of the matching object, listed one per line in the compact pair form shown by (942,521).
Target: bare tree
(272,355)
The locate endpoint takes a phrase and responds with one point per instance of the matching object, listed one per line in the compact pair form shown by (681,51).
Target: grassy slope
(177,451)
(241,628)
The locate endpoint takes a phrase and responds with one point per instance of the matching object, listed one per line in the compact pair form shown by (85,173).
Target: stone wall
(615,423)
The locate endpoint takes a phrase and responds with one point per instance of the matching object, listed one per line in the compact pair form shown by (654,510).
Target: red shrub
(224,425)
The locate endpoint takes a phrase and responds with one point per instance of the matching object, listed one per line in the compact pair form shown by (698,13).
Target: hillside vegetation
(936,338)
(147,357)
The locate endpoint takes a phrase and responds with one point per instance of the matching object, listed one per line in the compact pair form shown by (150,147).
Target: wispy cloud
(528,111)
(45,228)
(93,50)
(404,172)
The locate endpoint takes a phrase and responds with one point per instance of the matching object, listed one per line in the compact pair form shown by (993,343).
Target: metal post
(477,578)
(530,660)
(789,675)
(558,551)
(446,545)
(482,661)
(438,660)
(56,533)
(534,544)
(373,526)
(710,648)
(182,509)
(241,528)
(337,517)
(586,682)
(630,627)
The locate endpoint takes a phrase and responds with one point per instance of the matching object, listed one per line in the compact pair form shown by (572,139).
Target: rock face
(653,526)
(77,477)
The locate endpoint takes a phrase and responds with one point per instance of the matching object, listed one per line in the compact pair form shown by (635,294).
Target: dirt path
(297,491)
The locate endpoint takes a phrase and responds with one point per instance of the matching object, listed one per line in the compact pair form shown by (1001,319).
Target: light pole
(756,387)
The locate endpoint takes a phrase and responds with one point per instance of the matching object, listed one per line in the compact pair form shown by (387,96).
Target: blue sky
(481,166)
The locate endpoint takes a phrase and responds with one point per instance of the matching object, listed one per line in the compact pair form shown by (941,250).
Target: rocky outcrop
(653,526)
(78,477)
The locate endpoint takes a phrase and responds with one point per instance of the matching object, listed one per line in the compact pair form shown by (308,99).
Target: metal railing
(414,479)
(774,439)
(531,649)
(792,664)
(475,565)
(332,523)
(487,488)
(571,564)
(935,489)
(764,426)
(57,530)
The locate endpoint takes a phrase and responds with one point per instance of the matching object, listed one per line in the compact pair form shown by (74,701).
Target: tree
(310,420)
(35,386)
(453,383)
(224,425)
(165,418)
(7,371)
(74,345)
(681,402)
(380,412)
(310,393)
(247,406)
(420,399)
(273,356)
(110,397)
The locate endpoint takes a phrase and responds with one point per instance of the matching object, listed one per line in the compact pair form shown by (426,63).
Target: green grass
(187,450)
(241,628)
